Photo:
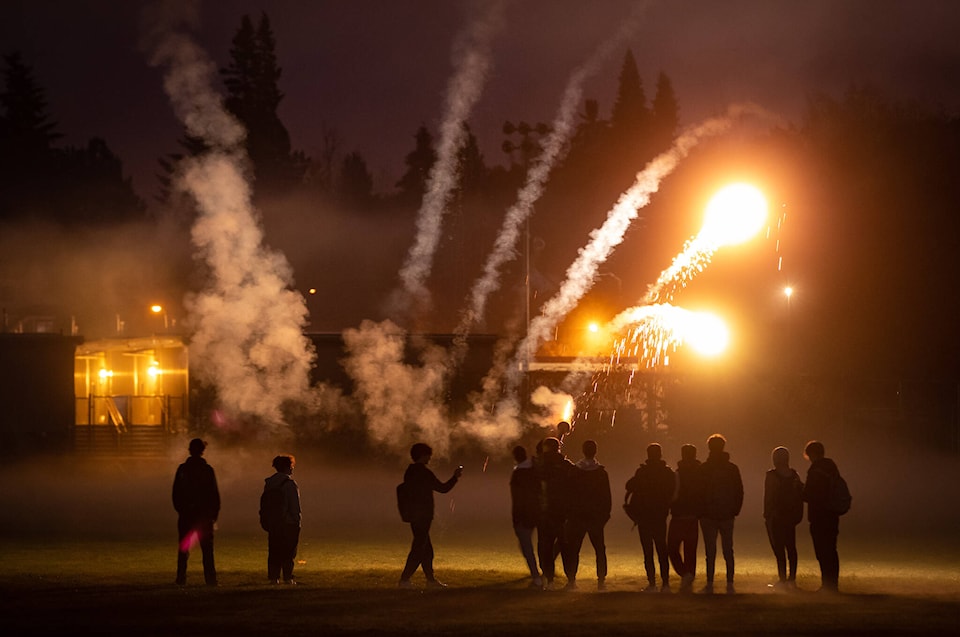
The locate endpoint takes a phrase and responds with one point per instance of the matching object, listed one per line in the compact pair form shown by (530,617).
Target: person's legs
(547,535)
(573,533)
(644,528)
(419,549)
(673,546)
(790,546)
(690,537)
(184,529)
(659,530)
(206,549)
(600,548)
(274,554)
(774,535)
(726,542)
(824,535)
(710,529)
(291,538)
(525,538)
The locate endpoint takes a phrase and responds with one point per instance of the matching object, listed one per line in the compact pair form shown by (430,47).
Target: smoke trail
(472,51)
(553,149)
(582,271)
(248,323)
(402,403)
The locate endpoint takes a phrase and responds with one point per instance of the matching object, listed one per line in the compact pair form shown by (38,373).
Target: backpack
(404,501)
(271,508)
(633,507)
(838,497)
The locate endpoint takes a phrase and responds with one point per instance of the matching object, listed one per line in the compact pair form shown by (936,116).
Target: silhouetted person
(555,472)
(722,501)
(589,503)
(284,532)
(421,483)
(824,522)
(782,511)
(563,430)
(683,531)
(525,509)
(197,501)
(653,486)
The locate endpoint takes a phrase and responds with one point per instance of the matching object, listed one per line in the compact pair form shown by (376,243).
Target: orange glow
(735,214)
(156,309)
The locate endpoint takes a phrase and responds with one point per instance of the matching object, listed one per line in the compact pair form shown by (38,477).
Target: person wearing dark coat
(555,471)
(422,483)
(589,504)
(196,499)
(525,509)
(722,501)
(284,537)
(782,511)
(684,517)
(653,486)
(824,523)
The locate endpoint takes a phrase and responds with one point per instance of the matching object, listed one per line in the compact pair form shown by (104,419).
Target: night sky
(375,70)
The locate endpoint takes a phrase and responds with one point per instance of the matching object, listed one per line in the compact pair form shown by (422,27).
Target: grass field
(57,587)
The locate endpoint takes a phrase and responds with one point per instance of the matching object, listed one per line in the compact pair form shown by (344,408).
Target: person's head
(688,452)
(814,450)
(284,463)
(519,454)
(421,452)
(716,443)
(781,457)
(563,428)
(654,451)
(551,444)
(197,447)
(589,449)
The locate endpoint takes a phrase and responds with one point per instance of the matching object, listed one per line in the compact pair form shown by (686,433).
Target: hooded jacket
(525,495)
(195,492)
(589,493)
(423,482)
(689,494)
(722,487)
(291,496)
(654,485)
(816,492)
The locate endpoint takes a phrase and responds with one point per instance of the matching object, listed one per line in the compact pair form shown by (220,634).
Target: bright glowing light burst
(706,333)
(735,214)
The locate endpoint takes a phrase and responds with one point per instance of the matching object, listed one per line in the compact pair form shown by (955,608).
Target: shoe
(435,583)
(730,589)
(601,585)
(404,583)
(650,588)
(571,585)
(707,589)
(666,588)
(290,582)
(548,586)
(686,583)
(180,582)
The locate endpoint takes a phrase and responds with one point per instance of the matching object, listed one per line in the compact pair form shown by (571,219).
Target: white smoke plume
(472,60)
(402,403)
(247,324)
(553,148)
(603,240)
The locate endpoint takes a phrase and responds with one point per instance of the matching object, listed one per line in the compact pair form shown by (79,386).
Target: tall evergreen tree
(666,113)
(630,112)
(419,162)
(472,169)
(28,130)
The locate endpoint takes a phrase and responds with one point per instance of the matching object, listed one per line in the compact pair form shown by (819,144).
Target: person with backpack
(525,509)
(280,517)
(588,510)
(196,499)
(722,501)
(827,498)
(683,531)
(782,511)
(417,509)
(647,502)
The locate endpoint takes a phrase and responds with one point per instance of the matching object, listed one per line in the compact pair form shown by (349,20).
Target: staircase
(137,441)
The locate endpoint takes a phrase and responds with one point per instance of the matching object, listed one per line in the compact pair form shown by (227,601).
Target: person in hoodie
(722,501)
(588,511)
(555,471)
(282,540)
(782,511)
(824,523)
(653,486)
(525,509)
(422,483)
(196,499)
(684,517)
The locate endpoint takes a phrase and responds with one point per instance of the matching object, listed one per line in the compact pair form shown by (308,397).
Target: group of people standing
(196,499)
(564,501)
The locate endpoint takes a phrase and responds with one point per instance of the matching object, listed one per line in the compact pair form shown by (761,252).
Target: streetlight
(158,309)
(788,293)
